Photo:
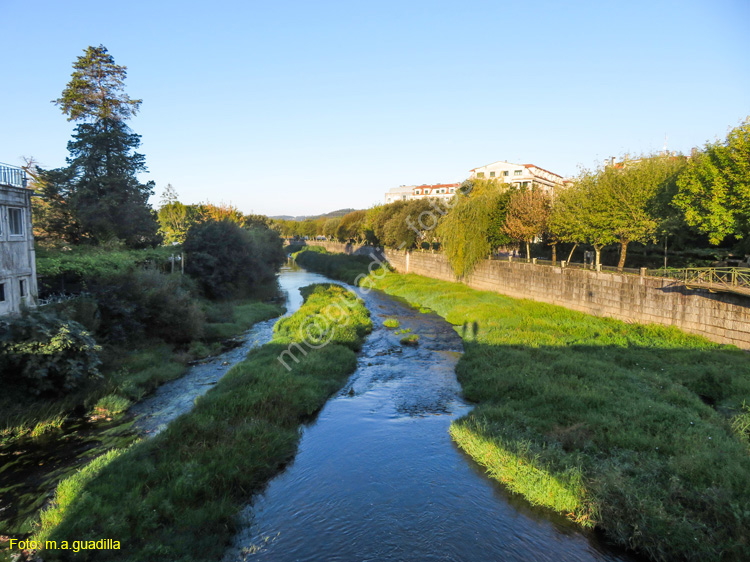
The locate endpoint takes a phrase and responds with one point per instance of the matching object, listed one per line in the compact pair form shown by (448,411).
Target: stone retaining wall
(720,317)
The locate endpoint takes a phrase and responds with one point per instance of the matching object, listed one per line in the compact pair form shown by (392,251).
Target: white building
(400,193)
(409,192)
(438,190)
(17,257)
(520,175)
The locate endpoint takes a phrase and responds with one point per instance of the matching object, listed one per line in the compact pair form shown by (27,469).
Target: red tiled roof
(437,185)
(542,169)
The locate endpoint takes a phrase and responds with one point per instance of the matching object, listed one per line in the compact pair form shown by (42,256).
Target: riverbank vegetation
(634,429)
(116,316)
(130,328)
(177,496)
(339,266)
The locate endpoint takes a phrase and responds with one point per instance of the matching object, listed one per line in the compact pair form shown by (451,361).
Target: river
(376,475)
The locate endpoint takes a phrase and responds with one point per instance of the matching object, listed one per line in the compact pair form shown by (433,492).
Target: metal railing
(725,279)
(12,175)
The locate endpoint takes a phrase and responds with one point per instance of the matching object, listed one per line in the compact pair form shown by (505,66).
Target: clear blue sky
(305,107)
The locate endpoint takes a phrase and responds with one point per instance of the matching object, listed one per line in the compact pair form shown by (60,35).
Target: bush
(228,261)
(148,304)
(73,269)
(46,354)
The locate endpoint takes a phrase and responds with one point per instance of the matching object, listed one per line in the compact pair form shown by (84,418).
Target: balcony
(12,176)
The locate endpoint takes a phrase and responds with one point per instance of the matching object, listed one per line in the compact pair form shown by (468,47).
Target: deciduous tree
(632,192)
(464,231)
(526,216)
(714,190)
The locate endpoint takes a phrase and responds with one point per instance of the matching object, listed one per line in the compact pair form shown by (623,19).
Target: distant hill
(331,215)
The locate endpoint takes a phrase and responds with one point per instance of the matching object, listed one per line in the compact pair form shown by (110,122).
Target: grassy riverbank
(176,496)
(635,429)
(130,371)
(639,430)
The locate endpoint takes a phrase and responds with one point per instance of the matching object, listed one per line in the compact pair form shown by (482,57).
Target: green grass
(741,423)
(639,430)
(176,496)
(332,314)
(227,319)
(391,323)
(411,339)
(130,373)
(111,405)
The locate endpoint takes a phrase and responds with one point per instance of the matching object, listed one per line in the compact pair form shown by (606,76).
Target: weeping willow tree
(465,230)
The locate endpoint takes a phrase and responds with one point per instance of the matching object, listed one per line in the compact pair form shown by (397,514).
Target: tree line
(694,201)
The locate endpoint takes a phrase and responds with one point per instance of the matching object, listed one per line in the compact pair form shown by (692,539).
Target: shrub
(72,269)
(46,354)
(146,303)
(228,260)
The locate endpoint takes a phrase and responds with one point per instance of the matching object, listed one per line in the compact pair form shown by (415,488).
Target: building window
(505,172)
(452,189)
(517,172)
(417,192)
(15,218)
(480,174)
(22,287)
(2,292)
(492,174)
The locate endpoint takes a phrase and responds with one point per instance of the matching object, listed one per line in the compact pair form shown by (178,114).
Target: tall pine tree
(98,193)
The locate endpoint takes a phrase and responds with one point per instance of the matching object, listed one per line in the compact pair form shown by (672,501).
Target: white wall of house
(401,193)
(519,175)
(18,285)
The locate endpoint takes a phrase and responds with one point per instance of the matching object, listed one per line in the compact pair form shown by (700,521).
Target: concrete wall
(17,256)
(341,248)
(720,317)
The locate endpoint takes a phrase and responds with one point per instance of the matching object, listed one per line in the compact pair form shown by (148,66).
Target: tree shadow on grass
(635,440)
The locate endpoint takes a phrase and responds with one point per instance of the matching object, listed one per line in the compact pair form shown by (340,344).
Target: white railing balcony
(12,176)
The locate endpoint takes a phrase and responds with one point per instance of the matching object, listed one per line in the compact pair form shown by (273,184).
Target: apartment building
(438,190)
(409,192)
(520,175)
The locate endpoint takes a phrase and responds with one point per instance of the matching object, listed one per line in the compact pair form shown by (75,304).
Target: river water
(377,477)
